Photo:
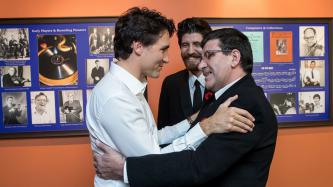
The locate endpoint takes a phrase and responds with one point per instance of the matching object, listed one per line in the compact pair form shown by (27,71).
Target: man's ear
(236,57)
(137,48)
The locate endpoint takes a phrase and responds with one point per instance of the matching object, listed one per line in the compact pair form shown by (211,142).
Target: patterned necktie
(197,97)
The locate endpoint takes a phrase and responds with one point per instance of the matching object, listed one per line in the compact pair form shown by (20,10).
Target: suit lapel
(210,109)
(185,97)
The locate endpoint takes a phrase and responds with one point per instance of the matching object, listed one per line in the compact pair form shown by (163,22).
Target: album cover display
(47,71)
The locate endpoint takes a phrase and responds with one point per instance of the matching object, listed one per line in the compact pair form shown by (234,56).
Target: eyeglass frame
(212,52)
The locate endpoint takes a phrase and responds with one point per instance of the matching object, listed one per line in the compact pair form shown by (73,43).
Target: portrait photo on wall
(312,73)
(71,106)
(283,103)
(42,107)
(14,109)
(96,69)
(15,76)
(312,40)
(101,40)
(14,44)
(57,59)
(311,102)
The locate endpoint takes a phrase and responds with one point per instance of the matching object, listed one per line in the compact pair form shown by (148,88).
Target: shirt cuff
(195,134)
(125,173)
(183,126)
(193,138)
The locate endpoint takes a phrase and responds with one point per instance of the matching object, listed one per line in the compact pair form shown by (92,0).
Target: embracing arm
(189,168)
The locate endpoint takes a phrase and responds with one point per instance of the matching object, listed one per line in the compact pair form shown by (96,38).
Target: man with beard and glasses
(182,92)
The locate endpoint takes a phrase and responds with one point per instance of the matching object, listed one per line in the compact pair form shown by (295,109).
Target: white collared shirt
(44,118)
(308,75)
(191,80)
(225,88)
(119,116)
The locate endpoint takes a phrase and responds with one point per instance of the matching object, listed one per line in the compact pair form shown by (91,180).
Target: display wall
(292,63)
(302,158)
(48,68)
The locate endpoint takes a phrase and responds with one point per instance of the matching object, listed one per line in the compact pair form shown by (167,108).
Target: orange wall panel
(303,156)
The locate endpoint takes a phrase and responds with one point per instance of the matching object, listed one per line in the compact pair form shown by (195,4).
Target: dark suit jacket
(97,73)
(175,100)
(228,159)
(7,81)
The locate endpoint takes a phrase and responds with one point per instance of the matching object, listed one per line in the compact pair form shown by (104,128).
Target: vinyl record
(57,60)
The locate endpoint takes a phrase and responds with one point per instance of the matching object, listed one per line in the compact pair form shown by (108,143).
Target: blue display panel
(48,71)
(292,65)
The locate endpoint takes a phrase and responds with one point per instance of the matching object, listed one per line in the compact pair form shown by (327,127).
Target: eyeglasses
(210,53)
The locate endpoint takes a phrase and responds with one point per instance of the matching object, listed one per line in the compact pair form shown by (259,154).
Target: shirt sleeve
(124,124)
(190,141)
(169,133)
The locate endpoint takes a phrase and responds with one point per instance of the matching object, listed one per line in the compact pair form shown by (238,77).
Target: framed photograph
(292,63)
(43,108)
(14,109)
(101,40)
(96,69)
(15,76)
(48,68)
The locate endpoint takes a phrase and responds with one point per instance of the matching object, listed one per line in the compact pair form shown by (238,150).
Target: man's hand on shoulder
(228,119)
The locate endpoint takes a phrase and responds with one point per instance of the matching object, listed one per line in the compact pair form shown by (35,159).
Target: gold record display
(57,57)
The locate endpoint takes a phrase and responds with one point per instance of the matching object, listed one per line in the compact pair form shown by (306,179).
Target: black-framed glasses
(210,53)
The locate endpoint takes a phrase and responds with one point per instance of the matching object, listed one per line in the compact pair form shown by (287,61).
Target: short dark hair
(229,39)
(9,97)
(40,94)
(310,28)
(140,25)
(192,25)
(316,95)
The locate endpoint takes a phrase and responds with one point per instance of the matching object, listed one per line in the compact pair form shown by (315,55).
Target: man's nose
(202,65)
(166,59)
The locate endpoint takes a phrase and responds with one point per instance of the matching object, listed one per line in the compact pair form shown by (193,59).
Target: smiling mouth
(192,58)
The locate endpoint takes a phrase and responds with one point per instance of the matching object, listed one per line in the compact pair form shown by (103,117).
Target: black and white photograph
(283,103)
(15,76)
(14,109)
(311,102)
(71,106)
(14,44)
(312,73)
(57,60)
(42,107)
(312,40)
(96,69)
(101,40)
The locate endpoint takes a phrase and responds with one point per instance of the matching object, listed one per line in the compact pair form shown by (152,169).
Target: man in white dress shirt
(311,75)
(118,114)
